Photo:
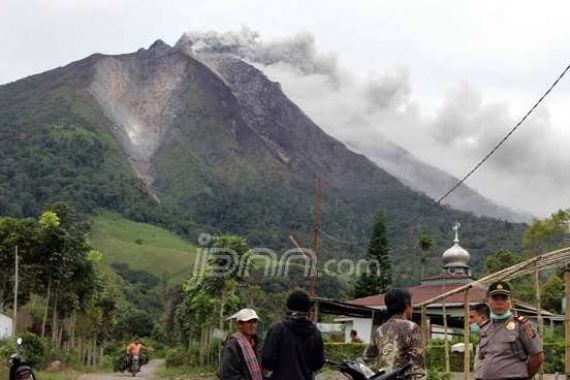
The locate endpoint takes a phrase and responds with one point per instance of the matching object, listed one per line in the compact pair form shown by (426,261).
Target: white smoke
(528,173)
(298,51)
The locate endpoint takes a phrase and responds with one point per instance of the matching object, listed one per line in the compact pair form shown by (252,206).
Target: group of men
(509,346)
(293,348)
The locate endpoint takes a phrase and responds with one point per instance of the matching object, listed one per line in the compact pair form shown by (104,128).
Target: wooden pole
(538,312)
(467,353)
(567,321)
(424,328)
(446,343)
(16,285)
(316,236)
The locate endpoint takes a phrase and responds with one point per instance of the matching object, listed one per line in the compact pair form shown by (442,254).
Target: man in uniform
(478,317)
(509,346)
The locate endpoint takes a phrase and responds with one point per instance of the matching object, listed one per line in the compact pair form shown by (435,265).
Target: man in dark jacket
(240,359)
(293,348)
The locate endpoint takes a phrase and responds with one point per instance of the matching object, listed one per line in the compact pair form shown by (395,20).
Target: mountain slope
(432,181)
(218,145)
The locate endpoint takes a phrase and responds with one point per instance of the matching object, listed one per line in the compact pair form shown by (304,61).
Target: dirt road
(148,372)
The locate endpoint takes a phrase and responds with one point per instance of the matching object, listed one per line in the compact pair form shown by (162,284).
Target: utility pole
(316,235)
(297,245)
(16,283)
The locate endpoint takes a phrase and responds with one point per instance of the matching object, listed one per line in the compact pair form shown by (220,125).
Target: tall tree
(212,294)
(425,242)
(552,293)
(548,233)
(378,278)
(501,260)
(21,233)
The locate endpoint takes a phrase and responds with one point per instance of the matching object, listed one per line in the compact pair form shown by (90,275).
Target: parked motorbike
(357,370)
(19,368)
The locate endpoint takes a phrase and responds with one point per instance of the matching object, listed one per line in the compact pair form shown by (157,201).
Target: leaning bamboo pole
(538,312)
(548,260)
(467,352)
(567,321)
(446,342)
(424,327)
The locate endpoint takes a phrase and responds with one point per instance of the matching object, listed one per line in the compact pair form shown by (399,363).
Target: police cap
(499,287)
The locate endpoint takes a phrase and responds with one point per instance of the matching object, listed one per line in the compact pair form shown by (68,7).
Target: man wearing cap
(240,359)
(293,348)
(509,346)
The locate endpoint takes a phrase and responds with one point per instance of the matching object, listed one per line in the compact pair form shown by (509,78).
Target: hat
(499,287)
(245,315)
(299,300)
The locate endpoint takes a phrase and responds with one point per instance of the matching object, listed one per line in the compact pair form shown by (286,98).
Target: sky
(443,79)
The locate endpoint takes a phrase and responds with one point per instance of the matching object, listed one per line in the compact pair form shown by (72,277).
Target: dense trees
(541,236)
(57,263)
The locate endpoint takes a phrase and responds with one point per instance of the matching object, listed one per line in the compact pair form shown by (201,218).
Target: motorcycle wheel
(31,376)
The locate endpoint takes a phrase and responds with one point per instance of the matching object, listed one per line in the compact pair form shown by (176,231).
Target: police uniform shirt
(477,363)
(504,348)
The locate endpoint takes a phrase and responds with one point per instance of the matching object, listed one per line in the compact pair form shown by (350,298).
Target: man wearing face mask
(478,317)
(509,346)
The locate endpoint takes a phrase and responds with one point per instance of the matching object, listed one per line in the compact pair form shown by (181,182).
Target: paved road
(148,372)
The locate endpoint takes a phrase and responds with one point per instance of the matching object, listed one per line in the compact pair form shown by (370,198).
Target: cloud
(389,90)
(299,51)
(370,111)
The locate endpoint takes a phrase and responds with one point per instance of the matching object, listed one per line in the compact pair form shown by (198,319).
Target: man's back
(395,344)
(293,349)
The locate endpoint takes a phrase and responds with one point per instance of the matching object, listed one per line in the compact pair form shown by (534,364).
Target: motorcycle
(19,369)
(357,370)
(135,365)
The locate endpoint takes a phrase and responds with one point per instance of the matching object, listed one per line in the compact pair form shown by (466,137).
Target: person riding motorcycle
(134,350)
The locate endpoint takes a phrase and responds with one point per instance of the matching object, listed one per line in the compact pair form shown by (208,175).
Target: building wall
(363,327)
(5,327)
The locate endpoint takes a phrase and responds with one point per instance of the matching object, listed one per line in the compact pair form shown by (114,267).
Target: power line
(331,237)
(496,147)
(362,243)
(478,165)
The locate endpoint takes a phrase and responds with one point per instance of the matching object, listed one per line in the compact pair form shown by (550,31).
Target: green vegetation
(142,247)
(380,278)
(542,235)
(216,173)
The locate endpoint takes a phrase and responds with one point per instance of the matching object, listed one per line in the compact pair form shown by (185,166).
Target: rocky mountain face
(219,146)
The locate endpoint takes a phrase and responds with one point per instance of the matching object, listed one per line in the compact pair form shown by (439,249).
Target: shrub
(343,351)
(177,357)
(33,348)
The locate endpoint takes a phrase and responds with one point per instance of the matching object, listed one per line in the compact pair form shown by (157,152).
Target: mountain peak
(159,47)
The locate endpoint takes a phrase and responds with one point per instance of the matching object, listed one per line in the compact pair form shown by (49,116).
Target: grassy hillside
(142,247)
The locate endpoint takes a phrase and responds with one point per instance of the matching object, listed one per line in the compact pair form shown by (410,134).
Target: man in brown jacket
(398,341)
